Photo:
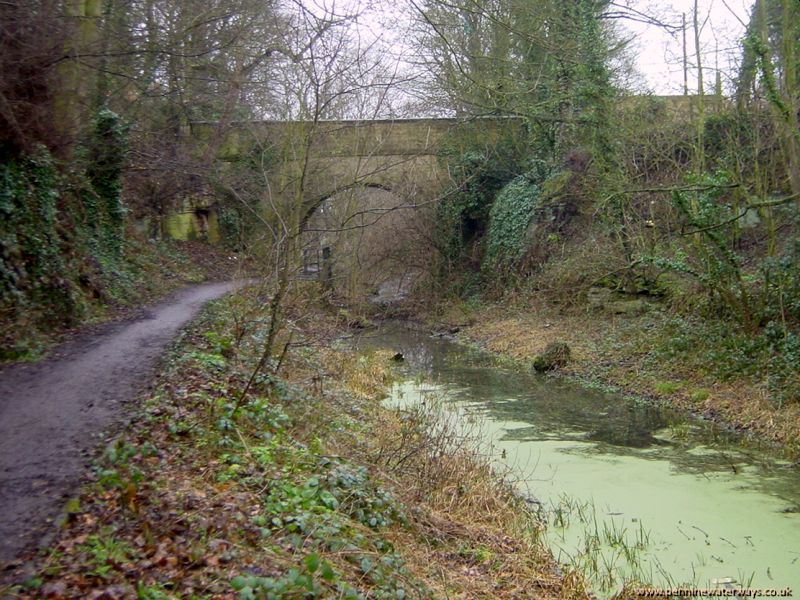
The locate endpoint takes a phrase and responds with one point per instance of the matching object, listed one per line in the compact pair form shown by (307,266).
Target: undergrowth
(64,253)
(724,352)
(308,488)
(90,291)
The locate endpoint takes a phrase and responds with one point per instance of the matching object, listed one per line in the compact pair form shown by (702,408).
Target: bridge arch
(314,204)
(308,164)
(313,160)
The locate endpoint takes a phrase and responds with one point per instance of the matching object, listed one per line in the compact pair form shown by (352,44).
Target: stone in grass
(627,308)
(554,356)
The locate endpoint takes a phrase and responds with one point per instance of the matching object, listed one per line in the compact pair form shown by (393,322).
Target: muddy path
(53,413)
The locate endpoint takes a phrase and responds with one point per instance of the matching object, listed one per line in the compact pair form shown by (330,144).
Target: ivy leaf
(328,500)
(327,572)
(240,582)
(366,565)
(312,562)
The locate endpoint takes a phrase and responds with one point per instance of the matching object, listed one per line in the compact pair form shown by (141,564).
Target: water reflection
(554,409)
(680,476)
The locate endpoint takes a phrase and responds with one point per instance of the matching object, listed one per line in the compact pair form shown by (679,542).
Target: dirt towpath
(52,413)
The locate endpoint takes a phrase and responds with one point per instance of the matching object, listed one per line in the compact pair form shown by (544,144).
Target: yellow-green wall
(184,226)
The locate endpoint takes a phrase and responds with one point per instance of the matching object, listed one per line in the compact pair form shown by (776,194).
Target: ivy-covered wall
(33,267)
(509,218)
(186,226)
(62,232)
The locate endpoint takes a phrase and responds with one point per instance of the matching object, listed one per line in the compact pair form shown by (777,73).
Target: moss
(556,185)
(666,388)
(213,233)
(554,356)
(181,226)
(231,147)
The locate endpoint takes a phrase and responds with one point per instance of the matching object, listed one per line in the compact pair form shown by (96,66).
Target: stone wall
(401,156)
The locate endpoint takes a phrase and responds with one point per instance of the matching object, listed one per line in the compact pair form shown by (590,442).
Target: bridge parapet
(308,162)
(357,138)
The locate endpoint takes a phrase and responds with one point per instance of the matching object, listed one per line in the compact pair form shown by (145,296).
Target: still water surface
(628,489)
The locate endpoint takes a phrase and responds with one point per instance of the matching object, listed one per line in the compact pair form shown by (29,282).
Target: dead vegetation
(637,355)
(308,489)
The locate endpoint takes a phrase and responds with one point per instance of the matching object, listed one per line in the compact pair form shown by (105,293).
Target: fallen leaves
(181,507)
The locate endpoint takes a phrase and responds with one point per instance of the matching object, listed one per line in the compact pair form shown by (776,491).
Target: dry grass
(531,334)
(189,515)
(471,535)
(615,350)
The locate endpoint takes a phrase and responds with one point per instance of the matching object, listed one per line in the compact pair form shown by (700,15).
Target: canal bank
(630,490)
(690,364)
(302,487)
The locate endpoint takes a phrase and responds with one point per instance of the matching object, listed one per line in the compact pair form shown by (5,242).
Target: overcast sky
(659,54)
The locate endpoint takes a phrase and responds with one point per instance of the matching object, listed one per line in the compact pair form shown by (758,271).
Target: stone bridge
(304,163)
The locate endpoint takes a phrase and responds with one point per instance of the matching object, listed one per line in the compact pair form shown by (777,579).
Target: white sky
(659,55)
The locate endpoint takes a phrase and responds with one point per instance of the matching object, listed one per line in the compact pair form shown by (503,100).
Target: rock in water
(554,356)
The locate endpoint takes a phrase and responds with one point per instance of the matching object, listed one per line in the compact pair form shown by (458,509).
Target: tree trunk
(77,77)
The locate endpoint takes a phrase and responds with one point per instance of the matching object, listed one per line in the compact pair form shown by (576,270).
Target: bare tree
(327,72)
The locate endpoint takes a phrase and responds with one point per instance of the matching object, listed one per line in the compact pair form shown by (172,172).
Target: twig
(778,202)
